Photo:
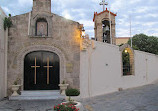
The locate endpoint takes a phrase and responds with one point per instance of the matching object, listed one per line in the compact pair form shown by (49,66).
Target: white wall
(2,57)
(101,70)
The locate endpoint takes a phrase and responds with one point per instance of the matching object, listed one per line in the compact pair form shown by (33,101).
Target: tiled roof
(96,14)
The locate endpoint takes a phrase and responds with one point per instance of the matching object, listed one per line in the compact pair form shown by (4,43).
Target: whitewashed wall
(2,57)
(101,70)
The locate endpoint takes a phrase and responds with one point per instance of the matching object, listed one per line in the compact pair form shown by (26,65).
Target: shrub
(63,82)
(72,92)
(7,22)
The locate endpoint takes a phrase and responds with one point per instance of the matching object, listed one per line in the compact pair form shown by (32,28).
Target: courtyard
(143,98)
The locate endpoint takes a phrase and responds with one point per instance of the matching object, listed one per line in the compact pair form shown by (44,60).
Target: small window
(41,27)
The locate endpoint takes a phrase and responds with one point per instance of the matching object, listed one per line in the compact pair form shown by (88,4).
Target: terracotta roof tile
(96,14)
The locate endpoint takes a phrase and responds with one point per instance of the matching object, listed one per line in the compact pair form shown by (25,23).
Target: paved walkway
(138,99)
(42,105)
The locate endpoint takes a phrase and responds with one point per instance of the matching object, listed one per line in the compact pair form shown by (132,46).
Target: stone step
(36,98)
(38,95)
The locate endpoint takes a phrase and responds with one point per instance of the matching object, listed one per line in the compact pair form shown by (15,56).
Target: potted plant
(63,87)
(15,87)
(72,95)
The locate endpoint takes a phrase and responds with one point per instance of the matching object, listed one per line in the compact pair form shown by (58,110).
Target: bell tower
(104,25)
(42,6)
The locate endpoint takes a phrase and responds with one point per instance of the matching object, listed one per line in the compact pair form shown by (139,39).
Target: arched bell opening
(106,31)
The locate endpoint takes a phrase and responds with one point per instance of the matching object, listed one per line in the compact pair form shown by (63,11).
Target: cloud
(66,14)
(7,10)
(87,23)
(143,13)
(25,2)
(152,15)
(141,9)
(119,4)
(134,1)
(150,24)
(121,32)
(90,33)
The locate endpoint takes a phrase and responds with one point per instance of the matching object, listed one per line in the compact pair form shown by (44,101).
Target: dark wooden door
(41,71)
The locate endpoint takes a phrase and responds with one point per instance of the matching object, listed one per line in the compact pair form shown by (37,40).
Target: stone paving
(137,99)
(43,105)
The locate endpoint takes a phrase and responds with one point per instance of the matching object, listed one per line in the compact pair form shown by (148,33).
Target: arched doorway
(41,71)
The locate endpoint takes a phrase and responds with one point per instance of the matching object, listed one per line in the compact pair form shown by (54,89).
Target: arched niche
(41,27)
(127,56)
(46,20)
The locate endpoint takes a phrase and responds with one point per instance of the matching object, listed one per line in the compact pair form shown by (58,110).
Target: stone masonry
(98,18)
(63,39)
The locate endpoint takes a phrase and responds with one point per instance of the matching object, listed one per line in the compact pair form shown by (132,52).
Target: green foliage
(126,63)
(65,107)
(72,92)
(145,43)
(10,15)
(17,81)
(7,22)
(63,82)
(125,58)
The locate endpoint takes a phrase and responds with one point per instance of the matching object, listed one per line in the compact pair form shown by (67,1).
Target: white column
(5,61)
(29,23)
(110,26)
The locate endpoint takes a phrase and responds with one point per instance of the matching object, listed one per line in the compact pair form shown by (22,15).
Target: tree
(145,43)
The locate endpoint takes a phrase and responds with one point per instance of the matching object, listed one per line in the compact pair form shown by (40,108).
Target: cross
(48,70)
(35,69)
(103,3)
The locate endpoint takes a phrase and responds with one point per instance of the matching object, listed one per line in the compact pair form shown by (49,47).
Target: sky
(143,14)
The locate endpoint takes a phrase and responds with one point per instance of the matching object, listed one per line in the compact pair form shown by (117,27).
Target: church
(43,49)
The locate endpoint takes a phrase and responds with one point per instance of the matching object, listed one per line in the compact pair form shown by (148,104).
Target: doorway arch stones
(22,54)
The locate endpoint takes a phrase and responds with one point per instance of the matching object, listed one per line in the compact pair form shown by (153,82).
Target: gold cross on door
(35,71)
(48,70)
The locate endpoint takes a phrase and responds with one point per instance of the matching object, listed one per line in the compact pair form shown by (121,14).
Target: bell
(107,28)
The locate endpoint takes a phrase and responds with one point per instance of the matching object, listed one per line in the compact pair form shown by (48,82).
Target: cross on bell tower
(103,3)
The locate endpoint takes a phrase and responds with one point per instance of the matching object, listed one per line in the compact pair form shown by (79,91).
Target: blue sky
(144,13)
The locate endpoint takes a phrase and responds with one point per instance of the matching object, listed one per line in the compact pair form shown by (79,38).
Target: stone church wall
(65,41)
(101,70)
(2,56)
